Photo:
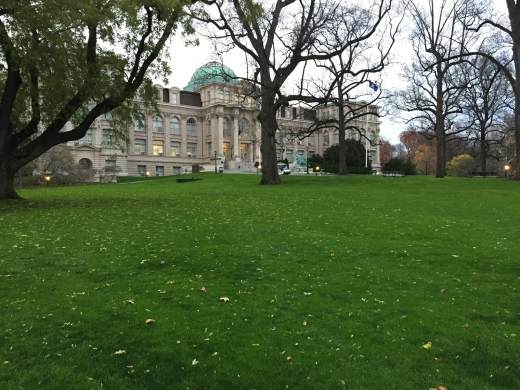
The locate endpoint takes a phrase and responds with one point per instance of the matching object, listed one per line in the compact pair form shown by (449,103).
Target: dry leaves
(438,388)
(304,323)
(149,321)
(465,326)
(120,352)
(438,360)
(288,358)
(130,302)
(428,345)
(224,299)
(443,290)
(203,289)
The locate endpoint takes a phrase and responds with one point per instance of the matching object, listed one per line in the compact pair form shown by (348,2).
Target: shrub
(460,166)
(400,165)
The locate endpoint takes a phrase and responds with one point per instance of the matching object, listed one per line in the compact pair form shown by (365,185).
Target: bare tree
(486,101)
(278,37)
(435,85)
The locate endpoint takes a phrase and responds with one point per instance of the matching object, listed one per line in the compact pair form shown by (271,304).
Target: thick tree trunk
(441,153)
(267,118)
(341,126)
(7,184)
(483,148)
(440,132)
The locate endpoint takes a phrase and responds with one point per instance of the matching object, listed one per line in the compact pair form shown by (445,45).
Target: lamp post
(257,168)
(317,170)
(47,179)
(506,168)
(215,161)
(147,174)
(307,158)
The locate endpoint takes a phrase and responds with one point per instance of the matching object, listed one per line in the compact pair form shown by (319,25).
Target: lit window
(175,149)
(140,146)
(158,148)
(191,149)
(175,126)
(157,124)
(174,98)
(191,127)
(326,139)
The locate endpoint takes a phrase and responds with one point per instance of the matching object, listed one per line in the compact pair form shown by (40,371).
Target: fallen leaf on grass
(130,367)
(255,345)
(465,326)
(428,345)
(288,358)
(438,360)
(90,379)
(224,299)
(442,388)
(194,362)
(6,362)
(120,352)
(130,302)
(304,323)
(203,289)
(170,282)
(149,321)
(443,290)
(306,293)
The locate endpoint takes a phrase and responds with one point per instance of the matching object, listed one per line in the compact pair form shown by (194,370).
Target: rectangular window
(158,148)
(110,163)
(174,98)
(175,149)
(294,113)
(86,140)
(278,154)
(310,141)
(191,149)
(166,95)
(141,170)
(159,171)
(140,146)
(289,156)
(282,114)
(210,149)
(108,138)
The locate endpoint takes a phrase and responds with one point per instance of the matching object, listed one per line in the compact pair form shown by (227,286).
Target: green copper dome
(209,73)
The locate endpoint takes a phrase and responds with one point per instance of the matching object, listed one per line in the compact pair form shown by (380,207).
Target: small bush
(460,166)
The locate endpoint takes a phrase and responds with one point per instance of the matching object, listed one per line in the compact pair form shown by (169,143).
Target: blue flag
(372,85)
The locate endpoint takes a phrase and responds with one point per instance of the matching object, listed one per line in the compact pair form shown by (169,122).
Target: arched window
(85,163)
(191,127)
(336,137)
(175,126)
(326,139)
(157,124)
(225,125)
(208,127)
(243,125)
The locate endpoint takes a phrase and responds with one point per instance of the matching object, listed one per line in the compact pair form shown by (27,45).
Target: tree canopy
(71,61)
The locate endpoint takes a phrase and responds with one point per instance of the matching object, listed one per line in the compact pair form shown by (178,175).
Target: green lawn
(348,276)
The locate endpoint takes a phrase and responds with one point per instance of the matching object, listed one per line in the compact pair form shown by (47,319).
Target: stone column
(200,136)
(184,119)
(149,136)
(219,138)
(236,142)
(166,126)
(257,136)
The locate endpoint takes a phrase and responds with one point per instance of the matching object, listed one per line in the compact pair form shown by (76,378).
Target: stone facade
(213,126)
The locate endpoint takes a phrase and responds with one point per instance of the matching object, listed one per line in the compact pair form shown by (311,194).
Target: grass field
(333,283)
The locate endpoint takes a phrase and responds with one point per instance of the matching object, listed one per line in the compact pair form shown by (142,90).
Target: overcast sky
(185,60)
